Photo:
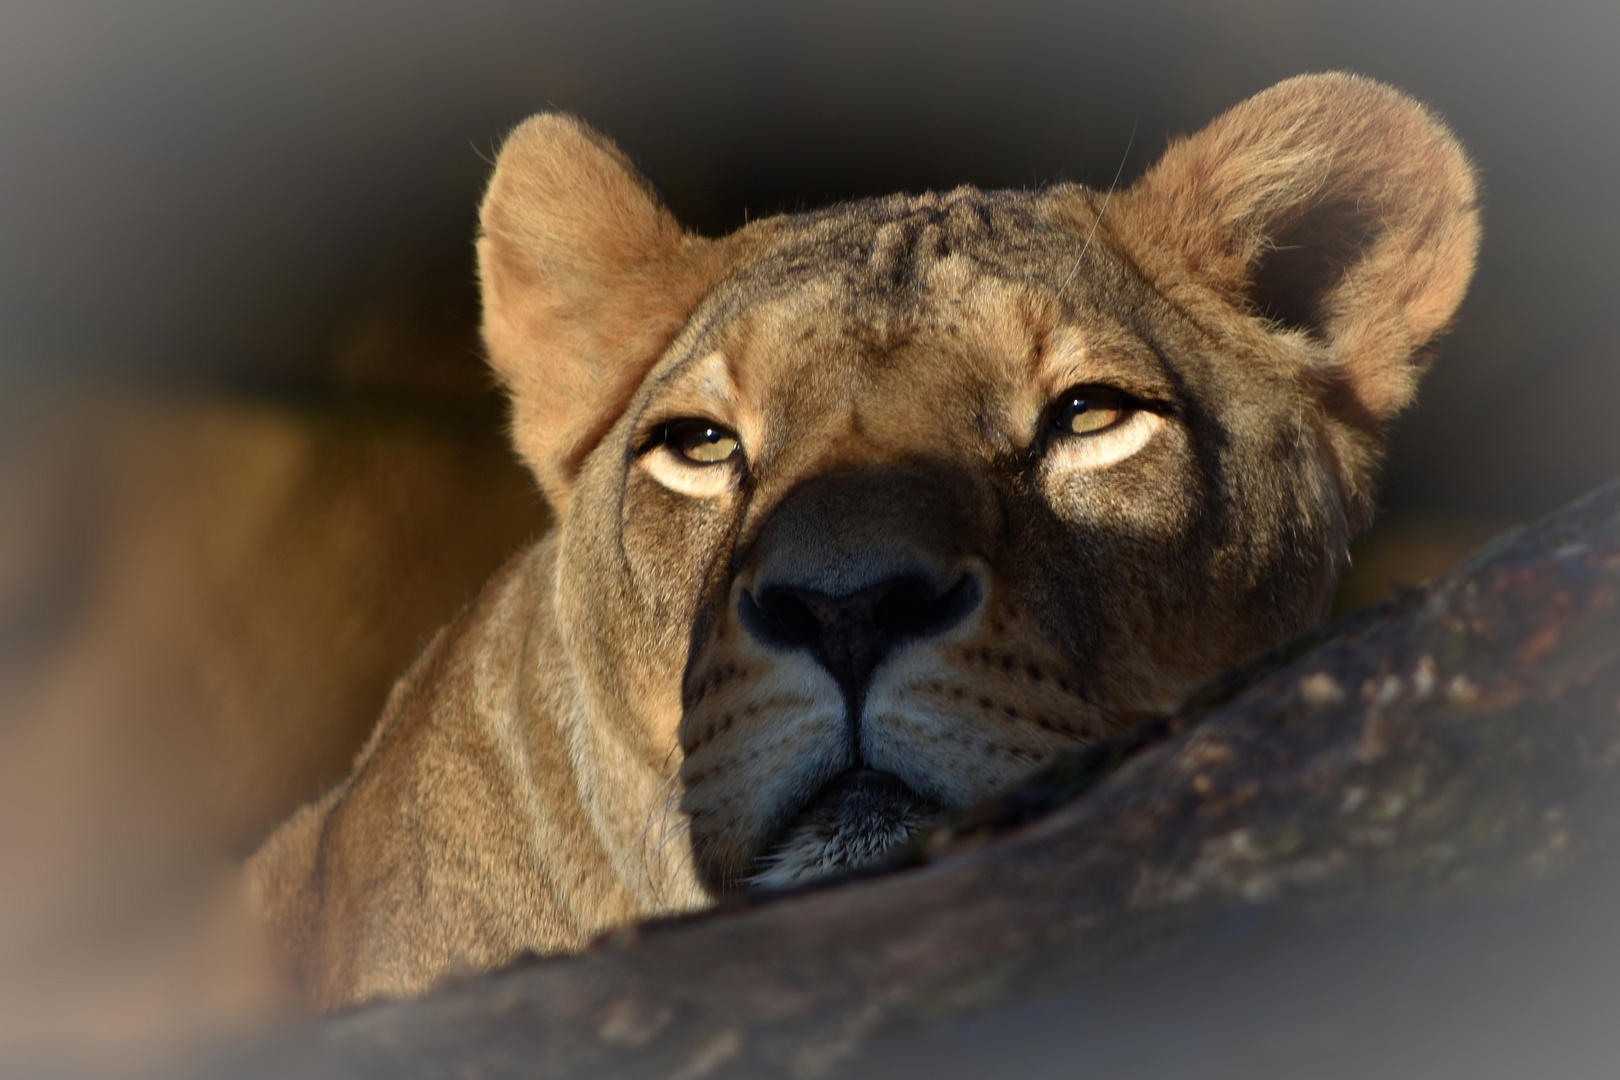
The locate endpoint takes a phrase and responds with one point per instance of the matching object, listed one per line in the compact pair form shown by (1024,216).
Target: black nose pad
(851,634)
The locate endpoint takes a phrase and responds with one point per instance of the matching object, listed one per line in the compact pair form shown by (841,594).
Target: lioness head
(865,512)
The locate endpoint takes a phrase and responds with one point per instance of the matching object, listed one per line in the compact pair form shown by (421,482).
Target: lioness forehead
(898,263)
(971,299)
(887,249)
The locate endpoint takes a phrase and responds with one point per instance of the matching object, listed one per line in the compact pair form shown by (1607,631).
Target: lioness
(866,512)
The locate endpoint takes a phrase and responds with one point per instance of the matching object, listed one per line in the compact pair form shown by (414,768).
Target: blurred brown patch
(413,331)
(203,604)
(1407,550)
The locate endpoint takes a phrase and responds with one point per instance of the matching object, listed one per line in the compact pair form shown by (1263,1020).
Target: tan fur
(911,588)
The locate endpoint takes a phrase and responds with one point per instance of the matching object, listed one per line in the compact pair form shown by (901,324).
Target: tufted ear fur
(585,278)
(1329,204)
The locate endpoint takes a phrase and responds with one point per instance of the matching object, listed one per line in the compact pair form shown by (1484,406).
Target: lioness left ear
(585,279)
(1331,204)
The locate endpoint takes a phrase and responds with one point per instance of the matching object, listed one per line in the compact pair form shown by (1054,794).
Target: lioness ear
(585,278)
(1330,204)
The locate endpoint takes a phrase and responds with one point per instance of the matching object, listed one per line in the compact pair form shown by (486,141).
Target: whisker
(686,861)
(659,810)
(1117,174)
(487,159)
(681,830)
(658,819)
(672,749)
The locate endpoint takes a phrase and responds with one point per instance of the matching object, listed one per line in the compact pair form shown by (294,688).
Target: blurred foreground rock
(203,602)
(1391,849)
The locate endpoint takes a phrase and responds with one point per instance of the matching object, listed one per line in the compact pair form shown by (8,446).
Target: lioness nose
(851,634)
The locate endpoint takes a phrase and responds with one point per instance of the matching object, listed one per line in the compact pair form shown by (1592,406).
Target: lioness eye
(1088,410)
(700,441)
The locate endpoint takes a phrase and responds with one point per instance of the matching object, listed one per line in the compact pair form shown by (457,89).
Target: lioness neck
(485,744)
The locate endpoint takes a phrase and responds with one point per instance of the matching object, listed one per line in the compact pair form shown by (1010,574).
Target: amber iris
(1088,410)
(700,441)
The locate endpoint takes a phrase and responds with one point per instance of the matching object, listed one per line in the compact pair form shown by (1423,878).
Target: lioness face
(883,506)
(918,517)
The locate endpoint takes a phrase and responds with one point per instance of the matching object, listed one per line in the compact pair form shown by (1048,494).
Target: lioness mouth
(855,820)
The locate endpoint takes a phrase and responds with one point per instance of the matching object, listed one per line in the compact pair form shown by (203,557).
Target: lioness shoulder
(865,512)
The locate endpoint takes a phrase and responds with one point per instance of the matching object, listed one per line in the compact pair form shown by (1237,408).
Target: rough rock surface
(1391,848)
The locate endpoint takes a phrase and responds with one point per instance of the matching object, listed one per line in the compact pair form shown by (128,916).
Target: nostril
(909,607)
(788,618)
(850,634)
(871,620)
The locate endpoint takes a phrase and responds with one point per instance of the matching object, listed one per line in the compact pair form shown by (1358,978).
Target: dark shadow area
(202,195)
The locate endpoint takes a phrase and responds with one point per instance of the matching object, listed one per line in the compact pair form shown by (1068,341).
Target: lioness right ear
(1329,204)
(585,278)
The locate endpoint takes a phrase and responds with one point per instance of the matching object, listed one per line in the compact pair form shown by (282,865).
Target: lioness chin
(866,512)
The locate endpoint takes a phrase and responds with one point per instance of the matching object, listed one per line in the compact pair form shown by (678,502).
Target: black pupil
(1074,408)
(708,436)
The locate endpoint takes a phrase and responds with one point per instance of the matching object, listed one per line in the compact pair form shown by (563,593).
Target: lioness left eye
(700,441)
(1087,410)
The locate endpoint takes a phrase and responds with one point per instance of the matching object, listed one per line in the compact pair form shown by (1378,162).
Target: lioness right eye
(701,442)
(1087,410)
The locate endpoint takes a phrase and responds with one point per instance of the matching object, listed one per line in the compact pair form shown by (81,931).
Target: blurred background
(249,458)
